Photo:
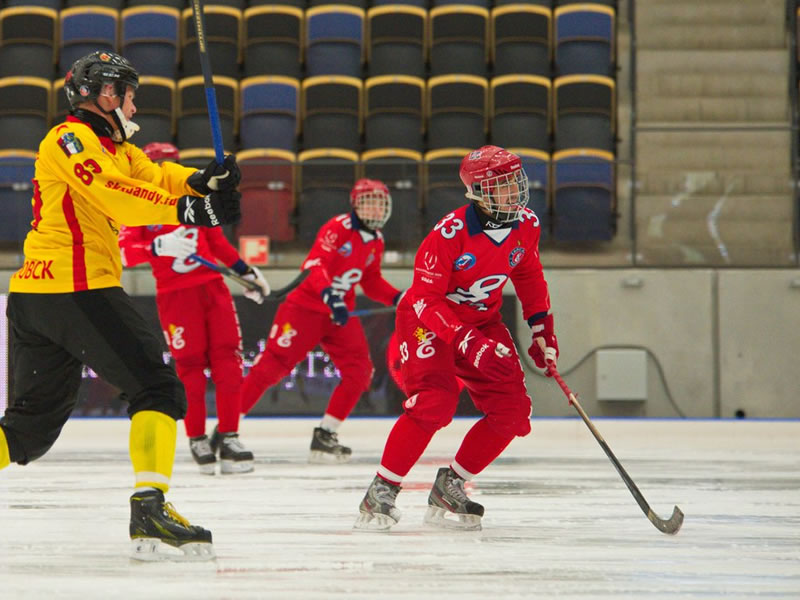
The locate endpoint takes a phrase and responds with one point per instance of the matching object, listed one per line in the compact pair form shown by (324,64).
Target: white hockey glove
(176,243)
(257,296)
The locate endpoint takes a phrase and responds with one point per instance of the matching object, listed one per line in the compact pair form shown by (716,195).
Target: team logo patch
(346,249)
(370,258)
(464,262)
(70,144)
(516,256)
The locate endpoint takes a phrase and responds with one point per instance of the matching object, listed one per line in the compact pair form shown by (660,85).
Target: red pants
(430,370)
(202,331)
(297,330)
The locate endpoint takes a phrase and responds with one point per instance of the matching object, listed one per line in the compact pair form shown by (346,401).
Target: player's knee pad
(359,374)
(512,419)
(431,409)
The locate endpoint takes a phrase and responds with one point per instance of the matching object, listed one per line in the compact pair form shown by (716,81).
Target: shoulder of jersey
(528,219)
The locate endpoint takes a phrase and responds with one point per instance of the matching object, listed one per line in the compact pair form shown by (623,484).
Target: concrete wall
(725,340)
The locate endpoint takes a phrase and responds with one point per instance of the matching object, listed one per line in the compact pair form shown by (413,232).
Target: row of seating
(334,111)
(323,40)
(288,196)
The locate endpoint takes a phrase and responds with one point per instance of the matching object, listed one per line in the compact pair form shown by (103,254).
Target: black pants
(52,336)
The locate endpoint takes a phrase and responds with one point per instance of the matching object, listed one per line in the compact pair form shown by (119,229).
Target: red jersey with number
(136,246)
(461,268)
(342,256)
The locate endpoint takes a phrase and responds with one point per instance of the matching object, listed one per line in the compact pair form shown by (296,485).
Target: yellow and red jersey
(86,186)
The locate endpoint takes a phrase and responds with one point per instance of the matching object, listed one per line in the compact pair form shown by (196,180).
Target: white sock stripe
(151,476)
(388,475)
(461,471)
(330,423)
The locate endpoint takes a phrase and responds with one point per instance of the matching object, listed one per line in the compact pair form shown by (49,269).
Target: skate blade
(208,469)
(317,457)
(154,550)
(231,467)
(438,517)
(370,522)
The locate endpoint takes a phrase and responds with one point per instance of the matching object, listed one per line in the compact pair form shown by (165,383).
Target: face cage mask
(503,206)
(370,204)
(125,128)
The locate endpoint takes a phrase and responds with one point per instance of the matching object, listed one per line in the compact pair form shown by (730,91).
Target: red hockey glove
(544,347)
(488,356)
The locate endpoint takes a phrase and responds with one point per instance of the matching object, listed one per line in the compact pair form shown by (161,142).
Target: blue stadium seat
(150,36)
(584,184)
(16,173)
(584,39)
(269,112)
(16,167)
(27,41)
(86,29)
(334,40)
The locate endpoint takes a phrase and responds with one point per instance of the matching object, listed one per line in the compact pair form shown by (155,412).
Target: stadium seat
(584,39)
(401,170)
(155,110)
(194,130)
(584,109)
(86,29)
(179,4)
(325,178)
(332,112)
(272,40)
(394,112)
(417,3)
(520,111)
(112,4)
(269,109)
(583,195)
(60,104)
(457,111)
(16,167)
(296,3)
(27,41)
(17,216)
(357,3)
(24,112)
(52,4)
(222,24)
(267,189)
(150,39)
(611,3)
(545,3)
(481,3)
(537,167)
(197,158)
(396,40)
(459,39)
(521,39)
(445,190)
(334,40)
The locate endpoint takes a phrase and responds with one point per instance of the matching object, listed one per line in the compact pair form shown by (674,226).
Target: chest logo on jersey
(370,258)
(70,144)
(346,249)
(329,241)
(464,262)
(516,256)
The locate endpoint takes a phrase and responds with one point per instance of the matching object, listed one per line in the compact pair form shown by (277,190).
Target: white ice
(559,522)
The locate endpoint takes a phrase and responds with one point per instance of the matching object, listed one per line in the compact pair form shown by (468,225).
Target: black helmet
(87,75)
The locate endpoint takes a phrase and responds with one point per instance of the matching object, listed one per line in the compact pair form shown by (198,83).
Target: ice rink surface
(559,521)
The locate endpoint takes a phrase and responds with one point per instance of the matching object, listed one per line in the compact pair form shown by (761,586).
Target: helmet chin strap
(125,128)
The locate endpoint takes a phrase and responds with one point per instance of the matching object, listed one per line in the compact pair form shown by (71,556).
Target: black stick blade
(671,525)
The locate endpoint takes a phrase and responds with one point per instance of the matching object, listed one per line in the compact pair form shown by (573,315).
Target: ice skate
(202,454)
(377,510)
(326,449)
(158,532)
(447,498)
(233,456)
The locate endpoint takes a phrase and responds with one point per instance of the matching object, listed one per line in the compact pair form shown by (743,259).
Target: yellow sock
(4,457)
(152,448)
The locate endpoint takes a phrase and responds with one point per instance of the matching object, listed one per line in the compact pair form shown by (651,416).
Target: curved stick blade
(671,525)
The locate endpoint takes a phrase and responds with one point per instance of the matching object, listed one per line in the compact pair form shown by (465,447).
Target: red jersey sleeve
(528,276)
(220,246)
(135,247)
(322,254)
(373,283)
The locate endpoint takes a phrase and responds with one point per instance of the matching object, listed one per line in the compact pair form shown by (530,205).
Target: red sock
(480,447)
(405,444)
(194,382)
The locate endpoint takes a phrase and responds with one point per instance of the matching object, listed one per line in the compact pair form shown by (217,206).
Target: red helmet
(371,202)
(157,151)
(496,181)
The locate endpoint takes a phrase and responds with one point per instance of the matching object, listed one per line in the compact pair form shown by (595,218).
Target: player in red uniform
(200,324)
(449,326)
(348,251)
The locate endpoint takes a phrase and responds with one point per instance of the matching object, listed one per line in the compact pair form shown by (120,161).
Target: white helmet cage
(373,207)
(502,196)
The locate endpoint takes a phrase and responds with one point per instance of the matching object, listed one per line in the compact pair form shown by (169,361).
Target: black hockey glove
(218,208)
(217,177)
(333,299)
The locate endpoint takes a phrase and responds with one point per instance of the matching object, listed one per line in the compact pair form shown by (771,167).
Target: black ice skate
(448,497)
(158,532)
(326,449)
(377,510)
(202,454)
(233,456)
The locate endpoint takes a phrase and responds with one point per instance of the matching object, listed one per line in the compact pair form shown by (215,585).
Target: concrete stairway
(713,142)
